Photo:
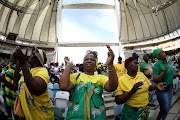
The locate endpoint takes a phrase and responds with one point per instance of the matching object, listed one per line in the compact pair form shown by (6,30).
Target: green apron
(87,103)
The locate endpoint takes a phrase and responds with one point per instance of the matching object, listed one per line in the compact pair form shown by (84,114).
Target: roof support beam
(88,6)
(86,44)
(12,6)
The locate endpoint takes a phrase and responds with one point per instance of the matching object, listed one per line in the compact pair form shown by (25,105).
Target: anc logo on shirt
(142,79)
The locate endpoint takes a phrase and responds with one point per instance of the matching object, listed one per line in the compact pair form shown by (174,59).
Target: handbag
(18,108)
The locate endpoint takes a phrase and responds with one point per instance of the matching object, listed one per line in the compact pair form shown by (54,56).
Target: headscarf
(94,53)
(40,55)
(156,52)
(127,61)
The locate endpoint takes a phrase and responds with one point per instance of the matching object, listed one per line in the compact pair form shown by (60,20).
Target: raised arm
(16,73)
(112,83)
(158,78)
(64,82)
(35,85)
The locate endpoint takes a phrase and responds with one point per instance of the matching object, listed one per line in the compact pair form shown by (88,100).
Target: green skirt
(135,113)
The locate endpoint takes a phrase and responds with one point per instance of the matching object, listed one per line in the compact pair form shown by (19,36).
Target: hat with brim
(39,54)
(156,52)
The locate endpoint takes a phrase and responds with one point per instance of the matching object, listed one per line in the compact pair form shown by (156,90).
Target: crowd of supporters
(37,79)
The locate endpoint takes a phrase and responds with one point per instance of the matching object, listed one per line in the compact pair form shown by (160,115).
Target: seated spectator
(54,78)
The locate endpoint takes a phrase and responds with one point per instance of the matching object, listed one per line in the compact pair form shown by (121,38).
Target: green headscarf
(156,52)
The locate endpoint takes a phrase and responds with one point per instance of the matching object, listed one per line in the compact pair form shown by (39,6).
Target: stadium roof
(35,20)
(143,20)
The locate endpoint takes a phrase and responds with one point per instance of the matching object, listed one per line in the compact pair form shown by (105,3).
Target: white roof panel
(37,22)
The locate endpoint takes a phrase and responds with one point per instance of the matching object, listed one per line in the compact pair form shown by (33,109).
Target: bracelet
(111,70)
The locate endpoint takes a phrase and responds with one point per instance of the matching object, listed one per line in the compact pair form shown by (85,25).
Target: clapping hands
(21,57)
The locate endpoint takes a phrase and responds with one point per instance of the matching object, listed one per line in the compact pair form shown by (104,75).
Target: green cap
(156,52)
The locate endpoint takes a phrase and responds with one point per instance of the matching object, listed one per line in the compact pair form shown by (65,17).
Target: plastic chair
(56,88)
(51,94)
(57,113)
(61,99)
(50,85)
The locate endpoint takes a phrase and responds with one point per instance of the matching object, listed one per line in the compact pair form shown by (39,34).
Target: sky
(83,25)
(89,25)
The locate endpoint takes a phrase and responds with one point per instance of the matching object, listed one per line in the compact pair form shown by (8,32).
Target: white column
(118,16)
(121,51)
(55,56)
(59,19)
(59,29)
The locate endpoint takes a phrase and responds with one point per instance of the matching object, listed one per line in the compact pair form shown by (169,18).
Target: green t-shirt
(159,68)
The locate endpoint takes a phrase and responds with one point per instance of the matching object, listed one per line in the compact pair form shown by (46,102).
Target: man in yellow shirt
(120,71)
(119,67)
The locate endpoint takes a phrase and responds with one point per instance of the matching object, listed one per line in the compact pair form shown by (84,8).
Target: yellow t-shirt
(140,97)
(120,69)
(36,107)
(38,71)
(96,79)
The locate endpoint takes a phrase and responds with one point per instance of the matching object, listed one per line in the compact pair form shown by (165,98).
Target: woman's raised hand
(67,60)
(110,58)
(21,57)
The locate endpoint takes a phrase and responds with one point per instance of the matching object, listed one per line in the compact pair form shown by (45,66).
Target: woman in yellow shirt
(87,102)
(34,96)
(133,89)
